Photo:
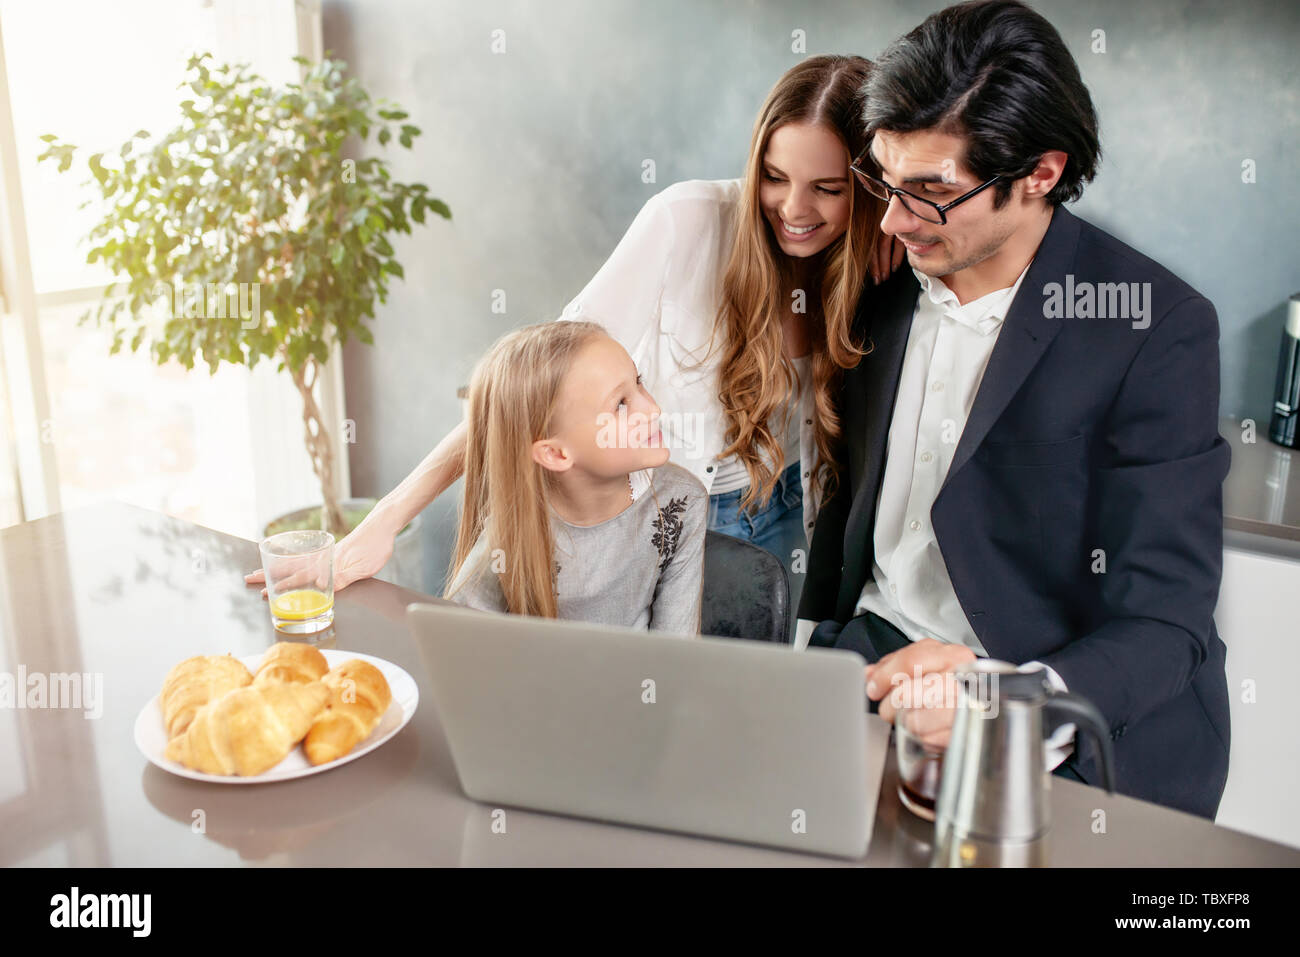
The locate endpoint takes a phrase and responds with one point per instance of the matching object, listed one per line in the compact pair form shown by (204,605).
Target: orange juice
(301,604)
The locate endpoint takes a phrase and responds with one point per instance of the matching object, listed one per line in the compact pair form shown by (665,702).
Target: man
(1033,465)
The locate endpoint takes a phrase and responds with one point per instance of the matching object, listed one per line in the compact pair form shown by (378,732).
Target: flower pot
(405,567)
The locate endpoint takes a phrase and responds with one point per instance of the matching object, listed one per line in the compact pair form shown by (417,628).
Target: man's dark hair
(999,74)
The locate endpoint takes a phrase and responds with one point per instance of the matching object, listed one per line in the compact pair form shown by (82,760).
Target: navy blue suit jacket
(1086,434)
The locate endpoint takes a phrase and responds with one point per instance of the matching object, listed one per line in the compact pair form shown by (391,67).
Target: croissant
(249,730)
(193,683)
(359,696)
(291,661)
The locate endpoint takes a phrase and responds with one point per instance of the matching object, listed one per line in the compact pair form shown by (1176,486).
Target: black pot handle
(1064,708)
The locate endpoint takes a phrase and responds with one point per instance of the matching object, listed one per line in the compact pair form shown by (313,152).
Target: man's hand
(919,677)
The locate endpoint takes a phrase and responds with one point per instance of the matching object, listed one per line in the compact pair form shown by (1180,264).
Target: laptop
(739,740)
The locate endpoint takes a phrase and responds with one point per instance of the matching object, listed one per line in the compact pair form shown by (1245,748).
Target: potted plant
(246,233)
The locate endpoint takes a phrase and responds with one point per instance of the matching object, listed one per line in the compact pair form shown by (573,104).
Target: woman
(735,298)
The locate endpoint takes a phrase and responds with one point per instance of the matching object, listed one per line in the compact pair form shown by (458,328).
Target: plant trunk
(318,447)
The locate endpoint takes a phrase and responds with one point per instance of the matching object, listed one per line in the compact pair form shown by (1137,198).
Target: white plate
(151,732)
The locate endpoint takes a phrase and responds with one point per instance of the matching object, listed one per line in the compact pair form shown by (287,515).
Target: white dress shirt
(948,349)
(658,294)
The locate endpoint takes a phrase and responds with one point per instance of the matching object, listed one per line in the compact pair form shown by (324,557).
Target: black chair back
(746,591)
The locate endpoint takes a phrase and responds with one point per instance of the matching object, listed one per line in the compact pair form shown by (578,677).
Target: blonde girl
(570,507)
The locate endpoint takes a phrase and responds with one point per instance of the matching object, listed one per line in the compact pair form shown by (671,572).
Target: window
(78,425)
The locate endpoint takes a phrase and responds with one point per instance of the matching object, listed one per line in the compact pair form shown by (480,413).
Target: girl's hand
(888,257)
(361,554)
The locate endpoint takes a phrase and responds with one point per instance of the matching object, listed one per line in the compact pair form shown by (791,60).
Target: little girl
(571,508)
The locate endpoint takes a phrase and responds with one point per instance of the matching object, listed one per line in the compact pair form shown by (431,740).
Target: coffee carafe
(1284,426)
(994,807)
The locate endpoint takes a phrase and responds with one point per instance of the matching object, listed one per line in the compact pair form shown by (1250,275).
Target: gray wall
(539,153)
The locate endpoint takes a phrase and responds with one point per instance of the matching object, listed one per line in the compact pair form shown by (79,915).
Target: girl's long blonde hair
(512,401)
(756,378)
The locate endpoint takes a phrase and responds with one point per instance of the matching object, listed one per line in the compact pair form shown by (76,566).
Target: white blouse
(658,295)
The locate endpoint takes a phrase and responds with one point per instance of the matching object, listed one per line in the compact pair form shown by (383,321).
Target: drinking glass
(299,568)
(920,765)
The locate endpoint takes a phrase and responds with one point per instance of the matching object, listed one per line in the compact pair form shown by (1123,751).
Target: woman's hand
(367,549)
(360,554)
(888,257)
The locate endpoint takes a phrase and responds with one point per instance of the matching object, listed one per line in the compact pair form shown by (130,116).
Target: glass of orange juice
(299,568)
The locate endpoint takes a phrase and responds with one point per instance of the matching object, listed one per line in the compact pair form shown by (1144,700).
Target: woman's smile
(798,234)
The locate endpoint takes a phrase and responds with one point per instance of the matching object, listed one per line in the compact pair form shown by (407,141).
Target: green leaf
(384,136)
(336,254)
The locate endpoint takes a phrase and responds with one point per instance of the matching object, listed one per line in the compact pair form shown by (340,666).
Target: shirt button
(806,474)
(893,588)
(936,387)
(807,421)
(708,468)
(914,525)
(926,456)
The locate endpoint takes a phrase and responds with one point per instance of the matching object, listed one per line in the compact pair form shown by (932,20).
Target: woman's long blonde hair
(512,401)
(756,378)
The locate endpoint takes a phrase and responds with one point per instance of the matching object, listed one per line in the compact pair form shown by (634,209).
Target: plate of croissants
(293,711)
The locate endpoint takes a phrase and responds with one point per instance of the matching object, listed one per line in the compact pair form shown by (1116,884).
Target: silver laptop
(740,740)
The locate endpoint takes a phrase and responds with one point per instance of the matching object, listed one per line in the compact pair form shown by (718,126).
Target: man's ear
(1044,176)
(551,454)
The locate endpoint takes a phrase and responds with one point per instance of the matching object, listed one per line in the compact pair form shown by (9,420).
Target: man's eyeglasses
(928,210)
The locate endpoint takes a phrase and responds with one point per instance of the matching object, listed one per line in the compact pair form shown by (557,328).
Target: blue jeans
(777,527)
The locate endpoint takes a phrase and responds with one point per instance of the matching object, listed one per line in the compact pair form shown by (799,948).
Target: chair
(746,591)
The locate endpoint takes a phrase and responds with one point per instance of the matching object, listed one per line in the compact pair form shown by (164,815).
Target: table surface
(126,593)
(1261,494)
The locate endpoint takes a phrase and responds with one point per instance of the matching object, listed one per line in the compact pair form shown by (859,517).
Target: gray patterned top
(643,568)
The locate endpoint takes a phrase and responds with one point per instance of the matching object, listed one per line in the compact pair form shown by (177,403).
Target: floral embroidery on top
(669,530)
